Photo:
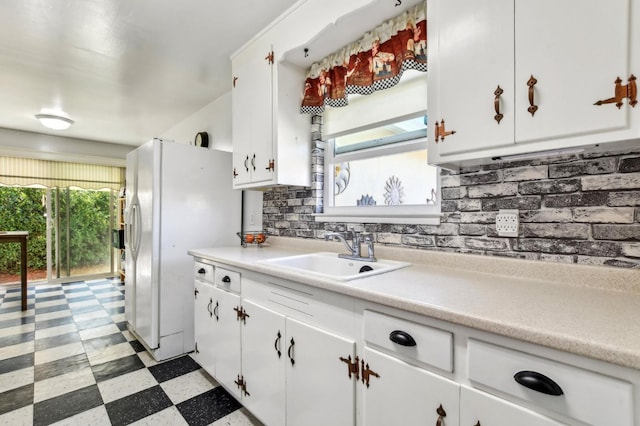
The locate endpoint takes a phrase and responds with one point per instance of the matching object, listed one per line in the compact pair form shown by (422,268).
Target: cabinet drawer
(479,408)
(581,394)
(420,342)
(229,280)
(203,271)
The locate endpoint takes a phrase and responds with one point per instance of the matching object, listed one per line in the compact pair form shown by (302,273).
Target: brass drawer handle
(532,106)
(496,104)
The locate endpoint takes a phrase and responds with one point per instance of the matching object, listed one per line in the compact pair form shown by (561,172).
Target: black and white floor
(69,360)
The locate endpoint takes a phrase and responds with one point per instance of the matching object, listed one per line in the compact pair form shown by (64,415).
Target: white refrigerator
(178,197)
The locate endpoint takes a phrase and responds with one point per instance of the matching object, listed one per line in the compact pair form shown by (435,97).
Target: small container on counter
(252,237)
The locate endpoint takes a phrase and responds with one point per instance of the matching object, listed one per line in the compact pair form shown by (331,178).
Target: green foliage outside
(21,209)
(90,228)
(89,239)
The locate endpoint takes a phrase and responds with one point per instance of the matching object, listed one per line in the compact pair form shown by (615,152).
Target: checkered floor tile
(69,360)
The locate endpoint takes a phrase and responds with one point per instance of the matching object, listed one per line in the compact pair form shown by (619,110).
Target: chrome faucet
(354,247)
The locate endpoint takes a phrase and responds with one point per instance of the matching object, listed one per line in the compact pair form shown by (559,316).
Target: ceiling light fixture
(54,122)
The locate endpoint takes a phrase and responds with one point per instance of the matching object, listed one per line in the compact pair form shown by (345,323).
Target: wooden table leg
(23,272)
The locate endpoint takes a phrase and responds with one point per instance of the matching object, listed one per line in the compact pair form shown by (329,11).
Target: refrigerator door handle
(138,229)
(128,225)
(135,231)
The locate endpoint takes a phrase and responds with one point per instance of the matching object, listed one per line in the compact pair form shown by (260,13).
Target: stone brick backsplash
(574,209)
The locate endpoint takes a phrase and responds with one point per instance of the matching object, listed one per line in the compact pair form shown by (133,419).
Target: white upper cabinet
(575,50)
(252,115)
(271,139)
(511,77)
(470,54)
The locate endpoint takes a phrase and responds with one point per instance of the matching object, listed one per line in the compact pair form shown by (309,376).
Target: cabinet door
(262,117)
(227,343)
(575,49)
(471,53)
(205,326)
(407,395)
(263,363)
(479,408)
(241,119)
(252,115)
(319,390)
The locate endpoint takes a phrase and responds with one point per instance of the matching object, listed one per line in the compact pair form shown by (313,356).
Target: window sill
(424,219)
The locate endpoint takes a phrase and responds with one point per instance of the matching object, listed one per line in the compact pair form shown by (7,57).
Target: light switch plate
(507,223)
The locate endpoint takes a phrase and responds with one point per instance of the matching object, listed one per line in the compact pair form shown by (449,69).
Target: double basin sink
(329,265)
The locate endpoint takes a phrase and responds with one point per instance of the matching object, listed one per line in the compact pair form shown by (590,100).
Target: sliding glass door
(79,224)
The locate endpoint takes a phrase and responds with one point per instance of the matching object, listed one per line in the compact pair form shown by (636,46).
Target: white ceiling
(124,70)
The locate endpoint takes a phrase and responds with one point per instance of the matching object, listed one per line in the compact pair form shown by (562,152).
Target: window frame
(428,214)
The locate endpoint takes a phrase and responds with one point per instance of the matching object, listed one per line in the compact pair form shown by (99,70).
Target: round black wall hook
(398,3)
(306,52)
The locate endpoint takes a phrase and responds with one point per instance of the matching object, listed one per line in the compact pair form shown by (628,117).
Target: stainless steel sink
(329,265)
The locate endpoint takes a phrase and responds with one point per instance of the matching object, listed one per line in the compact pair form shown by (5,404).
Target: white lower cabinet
(288,372)
(292,371)
(297,355)
(205,318)
(403,394)
(319,389)
(263,363)
(217,324)
(227,344)
(481,409)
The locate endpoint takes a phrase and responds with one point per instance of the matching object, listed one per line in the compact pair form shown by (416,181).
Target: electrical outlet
(507,222)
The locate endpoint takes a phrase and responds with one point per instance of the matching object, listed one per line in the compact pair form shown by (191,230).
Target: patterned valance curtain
(375,62)
(28,171)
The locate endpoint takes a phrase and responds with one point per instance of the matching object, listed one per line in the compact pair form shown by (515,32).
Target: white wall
(215,119)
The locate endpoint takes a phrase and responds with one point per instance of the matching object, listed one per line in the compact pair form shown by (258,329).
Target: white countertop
(585,310)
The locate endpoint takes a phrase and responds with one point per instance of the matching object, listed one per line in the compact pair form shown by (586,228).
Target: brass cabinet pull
(629,91)
(441,132)
(496,104)
(276,344)
(532,106)
(441,415)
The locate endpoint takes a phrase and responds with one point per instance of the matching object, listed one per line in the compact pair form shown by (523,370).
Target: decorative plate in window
(393,192)
(342,176)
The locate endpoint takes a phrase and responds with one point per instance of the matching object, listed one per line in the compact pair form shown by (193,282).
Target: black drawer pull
(402,338)
(538,382)
(201,271)
(226,279)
